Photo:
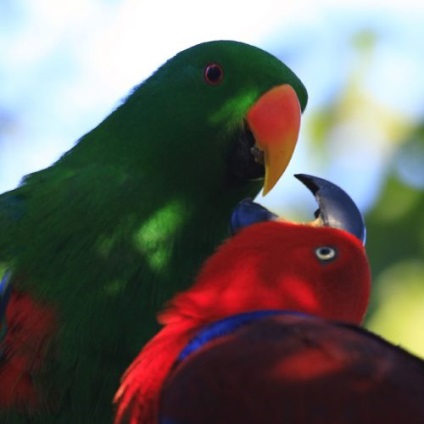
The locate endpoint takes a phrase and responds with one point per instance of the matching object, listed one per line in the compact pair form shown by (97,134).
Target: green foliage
(396,249)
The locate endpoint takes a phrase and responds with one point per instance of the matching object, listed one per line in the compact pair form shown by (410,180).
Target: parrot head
(220,106)
(319,268)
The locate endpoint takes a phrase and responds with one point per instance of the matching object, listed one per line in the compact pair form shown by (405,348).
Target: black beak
(336,209)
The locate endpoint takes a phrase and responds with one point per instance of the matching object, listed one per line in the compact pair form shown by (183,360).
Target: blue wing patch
(227,326)
(5,289)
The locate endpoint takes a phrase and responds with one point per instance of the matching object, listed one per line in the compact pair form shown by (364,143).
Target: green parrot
(93,245)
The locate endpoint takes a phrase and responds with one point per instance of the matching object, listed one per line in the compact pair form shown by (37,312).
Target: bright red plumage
(272,265)
(26,347)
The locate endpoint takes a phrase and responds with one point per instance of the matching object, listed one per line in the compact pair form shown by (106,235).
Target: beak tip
(265,191)
(308,181)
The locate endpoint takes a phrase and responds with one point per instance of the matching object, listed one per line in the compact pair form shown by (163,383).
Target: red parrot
(318,269)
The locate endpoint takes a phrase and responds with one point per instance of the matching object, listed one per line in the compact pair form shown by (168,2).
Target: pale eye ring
(325,253)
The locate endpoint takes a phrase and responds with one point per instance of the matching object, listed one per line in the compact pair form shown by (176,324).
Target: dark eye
(213,74)
(325,253)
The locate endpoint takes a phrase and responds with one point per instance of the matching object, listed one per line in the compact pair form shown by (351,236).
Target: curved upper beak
(275,123)
(336,209)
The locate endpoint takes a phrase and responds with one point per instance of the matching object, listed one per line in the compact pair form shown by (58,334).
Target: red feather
(271,265)
(138,394)
(30,330)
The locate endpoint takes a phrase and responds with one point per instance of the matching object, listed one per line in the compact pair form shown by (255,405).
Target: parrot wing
(288,367)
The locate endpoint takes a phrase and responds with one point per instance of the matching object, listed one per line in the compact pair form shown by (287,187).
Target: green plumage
(125,218)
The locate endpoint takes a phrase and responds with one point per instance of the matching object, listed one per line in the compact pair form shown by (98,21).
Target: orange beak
(275,123)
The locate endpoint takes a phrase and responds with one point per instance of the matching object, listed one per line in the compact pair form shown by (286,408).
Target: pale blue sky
(63,67)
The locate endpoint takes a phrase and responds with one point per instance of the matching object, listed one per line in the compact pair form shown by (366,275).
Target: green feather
(125,218)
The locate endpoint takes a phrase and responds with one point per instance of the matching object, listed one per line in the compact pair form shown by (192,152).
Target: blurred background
(65,66)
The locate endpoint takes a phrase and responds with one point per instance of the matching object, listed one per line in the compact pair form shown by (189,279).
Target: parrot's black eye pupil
(213,73)
(325,253)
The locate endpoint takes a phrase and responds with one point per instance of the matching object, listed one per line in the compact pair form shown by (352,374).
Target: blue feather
(227,326)
(5,289)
